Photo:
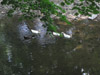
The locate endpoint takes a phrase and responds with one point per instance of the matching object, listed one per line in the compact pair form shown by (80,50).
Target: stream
(45,55)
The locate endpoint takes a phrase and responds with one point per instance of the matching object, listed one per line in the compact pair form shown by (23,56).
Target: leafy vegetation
(47,8)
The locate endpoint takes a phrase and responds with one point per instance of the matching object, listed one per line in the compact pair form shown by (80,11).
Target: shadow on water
(79,55)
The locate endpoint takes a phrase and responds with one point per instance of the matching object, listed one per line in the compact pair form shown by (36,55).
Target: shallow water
(79,55)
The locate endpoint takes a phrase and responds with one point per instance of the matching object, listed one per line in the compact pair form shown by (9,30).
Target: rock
(93,16)
(97,18)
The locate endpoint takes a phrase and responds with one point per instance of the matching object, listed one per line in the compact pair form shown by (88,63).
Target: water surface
(79,55)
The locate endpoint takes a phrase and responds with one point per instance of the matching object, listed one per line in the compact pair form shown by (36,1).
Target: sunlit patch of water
(2,25)
(82,70)
(2,34)
(29,73)
(76,67)
(21,65)
(2,37)
(9,53)
(31,56)
(85,74)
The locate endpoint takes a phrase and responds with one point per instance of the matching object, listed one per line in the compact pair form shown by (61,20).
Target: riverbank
(69,14)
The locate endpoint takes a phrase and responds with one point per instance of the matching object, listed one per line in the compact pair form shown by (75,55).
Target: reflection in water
(9,54)
(24,32)
(77,56)
(42,38)
(39,26)
(70,31)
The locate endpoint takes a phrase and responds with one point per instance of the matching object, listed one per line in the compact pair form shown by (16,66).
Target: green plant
(46,7)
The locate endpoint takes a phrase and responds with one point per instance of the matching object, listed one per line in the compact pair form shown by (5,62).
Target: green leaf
(25,0)
(81,0)
(67,2)
(76,14)
(74,8)
(4,2)
(96,11)
(63,18)
(81,12)
(62,4)
(72,1)
(61,35)
(52,28)
(19,0)
(9,13)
